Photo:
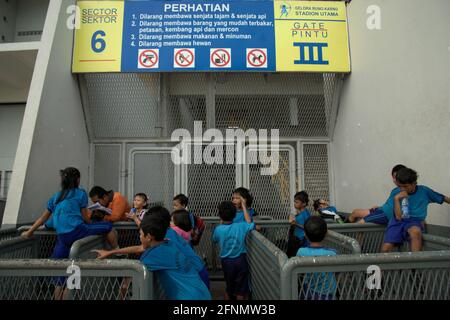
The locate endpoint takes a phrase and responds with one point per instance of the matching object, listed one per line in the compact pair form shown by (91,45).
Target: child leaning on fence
(296,238)
(176,272)
(172,236)
(318,285)
(67,213)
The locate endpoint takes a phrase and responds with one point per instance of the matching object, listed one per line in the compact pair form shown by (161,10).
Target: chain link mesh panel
(413,277)
(154,175)
(315,172)
(124,105)
(100,280)
(209,184)
(273,194)
(107,166)
(296,104)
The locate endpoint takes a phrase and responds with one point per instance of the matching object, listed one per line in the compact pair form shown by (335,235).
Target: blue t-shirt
(186,249)
(176,274)
(240,217)
(322,283)
(231,238)
(388,206)
(66,215)
(301,218)
(418,201)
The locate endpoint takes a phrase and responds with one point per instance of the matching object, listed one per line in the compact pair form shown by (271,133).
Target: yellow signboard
(311,36)
(98,41)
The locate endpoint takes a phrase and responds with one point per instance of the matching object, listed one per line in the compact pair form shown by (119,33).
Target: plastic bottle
(405,208)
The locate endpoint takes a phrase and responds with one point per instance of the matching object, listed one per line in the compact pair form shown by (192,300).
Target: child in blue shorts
(177,275)
(317,286)
(408,226)
(296,238)
(67,213)
(231,238)
(379,215)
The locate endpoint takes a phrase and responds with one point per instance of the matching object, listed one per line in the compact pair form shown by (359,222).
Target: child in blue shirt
(379,215)
(297,220)
(317,286)
(67,213)
(177,275)
(409,227)
(171,235)
(236,198)
(231,238)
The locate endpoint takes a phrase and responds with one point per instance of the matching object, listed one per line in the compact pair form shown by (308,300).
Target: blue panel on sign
(198,36)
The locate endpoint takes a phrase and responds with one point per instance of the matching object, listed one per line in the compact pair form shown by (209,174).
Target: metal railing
(99,280)
(265,263)
(9,233)
(277,231)
(403,276)
(22,248)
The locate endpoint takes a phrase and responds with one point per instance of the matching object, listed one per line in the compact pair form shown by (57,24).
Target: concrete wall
(10,124)
(53,134)
(395,105)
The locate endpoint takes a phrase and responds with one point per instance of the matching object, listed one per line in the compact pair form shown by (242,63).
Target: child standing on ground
(297,220)
(317,286)
(231,236)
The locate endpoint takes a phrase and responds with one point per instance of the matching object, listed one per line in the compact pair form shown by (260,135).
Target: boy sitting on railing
(410,203)
(316,286)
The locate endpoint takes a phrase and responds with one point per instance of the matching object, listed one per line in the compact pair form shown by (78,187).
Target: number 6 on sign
(97,40)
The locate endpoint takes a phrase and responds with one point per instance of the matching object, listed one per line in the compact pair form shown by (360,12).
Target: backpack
(197,231)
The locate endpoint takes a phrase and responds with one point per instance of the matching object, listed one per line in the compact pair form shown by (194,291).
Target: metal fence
(9,233)
(370,237)
(100,280)
(403,276)
(277,231)
(265,263)
(22,248)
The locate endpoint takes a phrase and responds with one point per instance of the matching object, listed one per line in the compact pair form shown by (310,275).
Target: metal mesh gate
(126,109)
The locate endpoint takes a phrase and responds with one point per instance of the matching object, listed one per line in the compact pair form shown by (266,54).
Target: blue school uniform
(240,217)
(318,285)
(176,273)
(301,218)
(68,222)
(418,201)
(231,238)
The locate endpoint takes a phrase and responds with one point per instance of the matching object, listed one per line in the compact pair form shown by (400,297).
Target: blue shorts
(204,276)
(236,273)
(376,216)
(64,241)
(397,230)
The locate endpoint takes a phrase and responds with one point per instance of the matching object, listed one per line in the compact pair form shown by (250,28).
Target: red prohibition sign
(256,57)
(224,61)
(150,55)
(184,58)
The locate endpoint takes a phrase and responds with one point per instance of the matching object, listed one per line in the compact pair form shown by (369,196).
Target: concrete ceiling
(16,71)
